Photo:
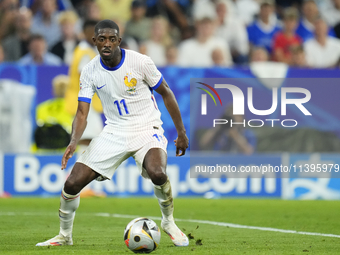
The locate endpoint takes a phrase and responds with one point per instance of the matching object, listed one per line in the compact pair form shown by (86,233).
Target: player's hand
(68,154)
(181,143)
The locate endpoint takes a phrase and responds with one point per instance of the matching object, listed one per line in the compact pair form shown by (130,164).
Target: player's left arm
(170,102)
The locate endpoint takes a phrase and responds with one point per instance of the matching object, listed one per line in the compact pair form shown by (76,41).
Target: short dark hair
(106,23)
(34,37)
(309,1)
(138,4)
(89,23)
(290,13)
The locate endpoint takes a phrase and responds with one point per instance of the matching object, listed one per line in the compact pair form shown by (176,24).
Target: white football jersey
(126,91)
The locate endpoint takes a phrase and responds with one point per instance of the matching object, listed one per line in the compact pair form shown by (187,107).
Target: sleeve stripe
(158,83)
(84,99)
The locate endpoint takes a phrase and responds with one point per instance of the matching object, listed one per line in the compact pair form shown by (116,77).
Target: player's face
(107,42)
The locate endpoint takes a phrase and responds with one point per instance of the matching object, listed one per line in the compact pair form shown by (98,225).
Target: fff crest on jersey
(131,84)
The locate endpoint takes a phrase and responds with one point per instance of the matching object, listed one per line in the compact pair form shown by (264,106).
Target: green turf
(36,220)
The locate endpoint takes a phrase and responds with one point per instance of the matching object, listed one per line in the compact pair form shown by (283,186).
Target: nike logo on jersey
(101,86)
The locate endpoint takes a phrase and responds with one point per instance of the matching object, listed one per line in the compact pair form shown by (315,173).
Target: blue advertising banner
(28,174)
(36,175)
(41,176)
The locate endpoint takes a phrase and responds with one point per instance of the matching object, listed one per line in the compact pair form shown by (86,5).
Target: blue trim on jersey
(158,83)
(84,99)
(115,67)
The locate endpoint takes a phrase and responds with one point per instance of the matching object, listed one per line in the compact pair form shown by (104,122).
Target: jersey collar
(115,67)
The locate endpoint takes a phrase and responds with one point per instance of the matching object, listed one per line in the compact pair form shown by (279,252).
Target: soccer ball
(142,235)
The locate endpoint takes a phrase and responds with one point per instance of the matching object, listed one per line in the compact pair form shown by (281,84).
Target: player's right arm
(78,127)
(86,93)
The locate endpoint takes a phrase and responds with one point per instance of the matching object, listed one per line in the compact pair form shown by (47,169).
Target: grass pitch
(27,221)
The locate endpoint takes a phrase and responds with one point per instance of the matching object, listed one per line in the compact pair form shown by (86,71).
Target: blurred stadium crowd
(186,33)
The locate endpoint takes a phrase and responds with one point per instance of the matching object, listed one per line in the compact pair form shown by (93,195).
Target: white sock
(67,211)
(165,200)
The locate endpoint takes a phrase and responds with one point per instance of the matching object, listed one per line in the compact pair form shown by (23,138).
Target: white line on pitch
(27,213)
(223,224)
(216,223)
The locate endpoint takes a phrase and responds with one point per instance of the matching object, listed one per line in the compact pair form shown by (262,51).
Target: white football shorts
(94,125)
(107,151)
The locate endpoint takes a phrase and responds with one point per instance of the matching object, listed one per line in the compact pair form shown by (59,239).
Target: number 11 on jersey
(122,102)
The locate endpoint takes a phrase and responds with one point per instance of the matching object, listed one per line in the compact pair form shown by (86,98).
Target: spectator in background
(46,22)
(16,45)
(54,124)
(281,5)
(287,38)
(310,12)
(246,10)
(218,57)
(156,46)
(127,41)
(88,10)
(262,31)
(176,12)
(65,47)
(323,51)
(197,52)
(82,8)
(53,111)
(115,9)
(233,31)
(92,11)
(207,8)
(298,58)
(8,13)
(138,26)
(35,5)
(38,53)
(171,55)
(331,13)
(259,54)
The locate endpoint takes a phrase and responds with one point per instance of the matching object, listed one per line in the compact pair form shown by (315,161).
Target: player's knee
(71,188)
(157,176)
